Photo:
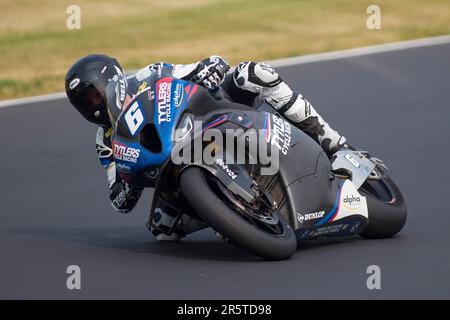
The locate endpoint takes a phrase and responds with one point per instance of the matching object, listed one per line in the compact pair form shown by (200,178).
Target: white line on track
(35,99)
(362,51)
(333,55)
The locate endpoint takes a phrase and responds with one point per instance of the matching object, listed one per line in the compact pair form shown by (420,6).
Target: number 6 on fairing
(134,117)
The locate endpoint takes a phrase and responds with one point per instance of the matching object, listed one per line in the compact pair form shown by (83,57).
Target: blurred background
(37,47)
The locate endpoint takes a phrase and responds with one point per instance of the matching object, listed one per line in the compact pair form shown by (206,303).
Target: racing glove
(211,72)
(123,196)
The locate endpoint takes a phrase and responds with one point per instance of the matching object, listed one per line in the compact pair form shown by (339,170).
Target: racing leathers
(249,81)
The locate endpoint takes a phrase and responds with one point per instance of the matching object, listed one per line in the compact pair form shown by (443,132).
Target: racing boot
(263,80)
(163,219)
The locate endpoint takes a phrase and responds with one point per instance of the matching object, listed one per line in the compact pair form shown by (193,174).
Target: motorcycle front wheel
(212,205)
(387,208)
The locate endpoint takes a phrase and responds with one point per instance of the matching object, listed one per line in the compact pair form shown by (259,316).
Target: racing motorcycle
(307,197)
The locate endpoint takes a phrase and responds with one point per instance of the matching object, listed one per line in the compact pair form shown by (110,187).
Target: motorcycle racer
(97,81)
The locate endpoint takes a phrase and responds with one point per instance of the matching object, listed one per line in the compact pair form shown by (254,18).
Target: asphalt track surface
(55,212)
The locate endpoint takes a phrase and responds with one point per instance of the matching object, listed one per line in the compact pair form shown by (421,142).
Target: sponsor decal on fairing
(123,167)
(333,229)
(349,202)
(225,168)
(164,102)
(278,132)
(310,216)
(178,95)
(125,153)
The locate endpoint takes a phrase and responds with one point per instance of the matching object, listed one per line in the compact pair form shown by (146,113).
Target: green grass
(36,48)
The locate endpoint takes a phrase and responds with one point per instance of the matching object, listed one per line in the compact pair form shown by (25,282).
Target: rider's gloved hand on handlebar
(211,72)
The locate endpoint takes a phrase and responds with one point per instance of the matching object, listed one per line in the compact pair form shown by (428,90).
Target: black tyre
(387,208)
(211,207)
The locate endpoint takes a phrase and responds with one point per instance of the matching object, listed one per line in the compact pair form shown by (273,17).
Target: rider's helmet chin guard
(86,83)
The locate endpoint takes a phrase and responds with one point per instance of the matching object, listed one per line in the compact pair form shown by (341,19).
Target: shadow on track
(137,239)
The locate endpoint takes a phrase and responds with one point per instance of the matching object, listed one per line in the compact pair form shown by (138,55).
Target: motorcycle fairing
(313,192)
(349,203)
(305,171)
(233,176)
(347,211)
(156,110)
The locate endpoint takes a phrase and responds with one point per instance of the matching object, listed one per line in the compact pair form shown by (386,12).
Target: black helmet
(86,83)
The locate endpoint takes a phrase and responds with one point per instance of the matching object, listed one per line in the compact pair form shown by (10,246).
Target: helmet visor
(89,99)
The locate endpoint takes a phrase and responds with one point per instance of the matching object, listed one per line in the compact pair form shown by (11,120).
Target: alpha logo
(178,95)
(124,153)
(74,83)
(310,216)
(123,167)
(352,201)
(163,102)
